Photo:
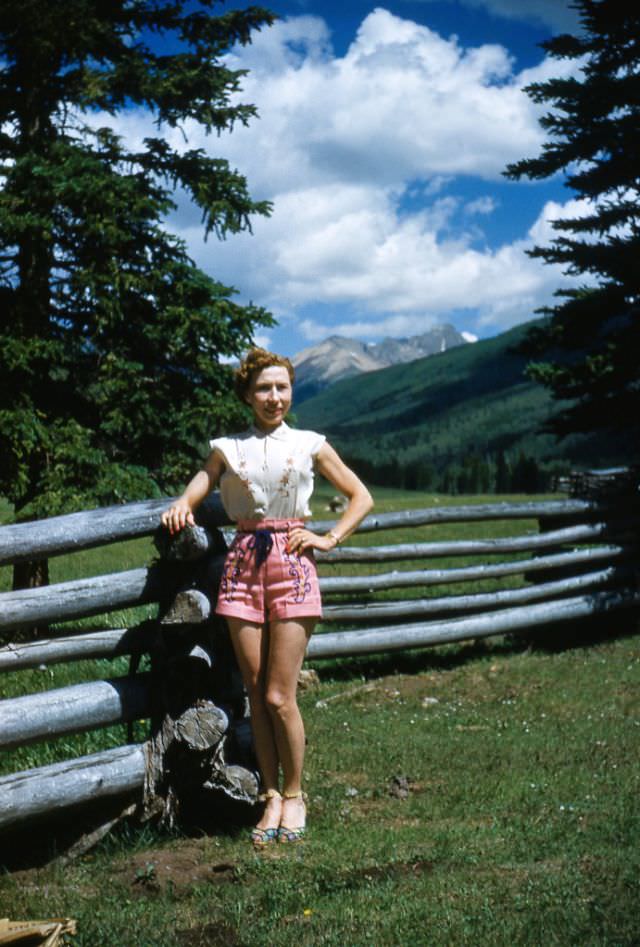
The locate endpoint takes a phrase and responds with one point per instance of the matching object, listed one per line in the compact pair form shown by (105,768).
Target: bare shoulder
(216,462)
(332,466)
(328,454)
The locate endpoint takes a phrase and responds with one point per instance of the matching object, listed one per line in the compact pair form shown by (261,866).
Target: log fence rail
(582,562)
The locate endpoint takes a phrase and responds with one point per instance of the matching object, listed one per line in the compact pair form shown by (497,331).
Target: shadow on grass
(564,636)
(48,838)
(553,638)
(40,840)
(38,843)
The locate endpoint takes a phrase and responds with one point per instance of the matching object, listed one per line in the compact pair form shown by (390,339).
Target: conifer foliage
(589,347)
(111,338)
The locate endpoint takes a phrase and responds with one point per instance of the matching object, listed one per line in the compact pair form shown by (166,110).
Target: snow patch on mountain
(320,366)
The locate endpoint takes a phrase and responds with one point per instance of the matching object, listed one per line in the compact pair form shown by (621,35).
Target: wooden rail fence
(582,562)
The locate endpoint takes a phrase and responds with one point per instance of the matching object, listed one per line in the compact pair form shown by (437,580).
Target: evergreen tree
(503,474)
(525,477)
(111,338)
(589,347)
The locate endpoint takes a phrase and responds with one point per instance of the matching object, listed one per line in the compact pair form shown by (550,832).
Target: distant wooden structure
(583,561)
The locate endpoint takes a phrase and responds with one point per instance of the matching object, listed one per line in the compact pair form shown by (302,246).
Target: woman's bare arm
(181,512)
(330,465)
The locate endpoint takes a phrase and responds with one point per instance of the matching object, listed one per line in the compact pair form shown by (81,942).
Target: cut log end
(190,544)
(190,606)
(201,727)
(236,782)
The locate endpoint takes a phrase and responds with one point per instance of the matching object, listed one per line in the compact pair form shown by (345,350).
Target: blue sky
(382,136)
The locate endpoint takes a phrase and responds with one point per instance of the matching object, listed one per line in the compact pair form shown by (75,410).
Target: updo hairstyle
(254,361)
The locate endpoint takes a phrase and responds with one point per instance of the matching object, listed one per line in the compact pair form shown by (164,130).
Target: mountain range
(320,366)
(471,405)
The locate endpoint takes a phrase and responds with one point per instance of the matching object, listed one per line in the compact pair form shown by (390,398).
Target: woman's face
(269,396)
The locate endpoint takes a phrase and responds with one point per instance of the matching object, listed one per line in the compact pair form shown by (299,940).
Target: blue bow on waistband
(262,544)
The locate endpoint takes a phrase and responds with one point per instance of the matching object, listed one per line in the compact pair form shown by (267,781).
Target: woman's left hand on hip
(300,538)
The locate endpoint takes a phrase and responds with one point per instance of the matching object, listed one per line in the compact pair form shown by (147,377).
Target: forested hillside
(466,420)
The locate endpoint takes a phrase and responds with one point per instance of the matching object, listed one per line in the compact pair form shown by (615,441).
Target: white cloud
(481,205)
(542,232)
(341,141)
(433,277)
(393,326)
(262,340)
(352,249)
(356,152)
(403,103)
(554,13)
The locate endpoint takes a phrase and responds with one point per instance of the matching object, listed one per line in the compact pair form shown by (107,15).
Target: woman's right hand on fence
(178,516)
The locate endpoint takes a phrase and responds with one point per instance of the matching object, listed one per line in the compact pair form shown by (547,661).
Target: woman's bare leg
(251,644)
(288,640)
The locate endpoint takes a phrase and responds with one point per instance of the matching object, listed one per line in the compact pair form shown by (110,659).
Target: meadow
(480,793)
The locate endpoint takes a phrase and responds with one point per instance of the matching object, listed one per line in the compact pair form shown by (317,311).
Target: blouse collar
(281,433)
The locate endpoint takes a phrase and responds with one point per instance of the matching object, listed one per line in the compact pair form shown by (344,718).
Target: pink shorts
(283,585)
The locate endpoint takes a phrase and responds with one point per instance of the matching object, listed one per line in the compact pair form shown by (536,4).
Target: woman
(269,591)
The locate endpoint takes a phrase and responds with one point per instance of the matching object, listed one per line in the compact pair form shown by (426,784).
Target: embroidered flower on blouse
(243,475)
(287,479)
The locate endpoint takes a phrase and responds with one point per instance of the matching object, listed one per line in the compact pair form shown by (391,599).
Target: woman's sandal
(262,837)
(287,834)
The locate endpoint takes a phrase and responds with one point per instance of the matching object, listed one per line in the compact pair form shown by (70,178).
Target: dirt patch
(154,871)
(525,870)
(413,685)
(384,872)
(178,869)
(217,934)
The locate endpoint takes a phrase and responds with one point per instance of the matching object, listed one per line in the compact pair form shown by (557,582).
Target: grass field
(480,794)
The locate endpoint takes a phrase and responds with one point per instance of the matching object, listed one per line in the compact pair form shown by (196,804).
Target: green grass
(521,824)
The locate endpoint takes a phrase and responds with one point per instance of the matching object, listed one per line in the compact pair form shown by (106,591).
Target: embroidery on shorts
(231,570)
(299,572)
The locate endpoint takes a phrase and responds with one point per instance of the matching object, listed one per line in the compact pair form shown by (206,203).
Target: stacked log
(200,744)
(198,747)
(613,484)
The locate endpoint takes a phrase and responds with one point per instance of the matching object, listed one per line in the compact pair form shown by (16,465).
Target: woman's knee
(279,702)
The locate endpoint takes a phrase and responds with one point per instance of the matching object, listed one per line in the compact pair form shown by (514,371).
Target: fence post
(200,742)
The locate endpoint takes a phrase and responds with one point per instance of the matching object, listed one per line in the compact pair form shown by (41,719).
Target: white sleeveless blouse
(268,476)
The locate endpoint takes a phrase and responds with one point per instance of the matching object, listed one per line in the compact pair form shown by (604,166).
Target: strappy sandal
(287,834)
(262,837)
